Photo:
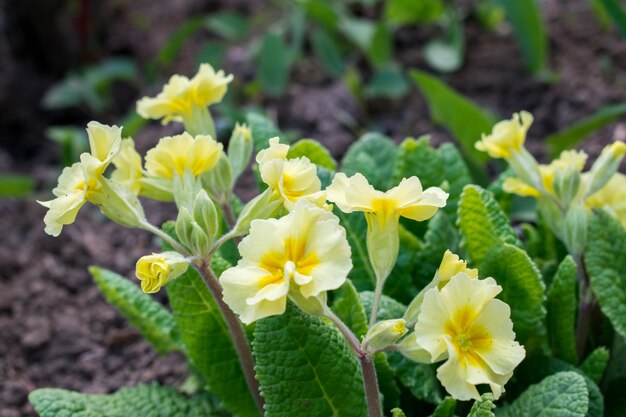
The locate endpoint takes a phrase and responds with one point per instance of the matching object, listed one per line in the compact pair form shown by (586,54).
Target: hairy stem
(378,292)
(237,333)
(585,308)
(167,238)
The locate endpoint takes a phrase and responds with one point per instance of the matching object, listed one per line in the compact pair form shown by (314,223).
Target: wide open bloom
(79,182)
(465,325)
(383,211)
(301,255)
(181,95)
(292,179)
(507,136)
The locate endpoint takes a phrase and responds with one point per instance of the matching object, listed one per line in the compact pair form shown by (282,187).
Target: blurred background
(323,69)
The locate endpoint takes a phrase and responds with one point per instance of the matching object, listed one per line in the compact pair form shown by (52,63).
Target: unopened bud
(567,184)
(118,204)
(575,233)
(605,166)
(526,168)
(383,334)
(205,214)
(265,205)
(240,149)
(219,181)
(158,269)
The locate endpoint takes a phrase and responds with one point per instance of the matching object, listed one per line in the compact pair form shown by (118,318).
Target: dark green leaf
(314,151)
(274,62)
(229,25)
(445,408)
(328,52)
(387,82)
(561,306)
(177,39)
(212,53)
(362,274)
(616,12)
(349,309)
(595,364)
(417,158)
(380,50)
(374,156)
(456,174)
(419,378)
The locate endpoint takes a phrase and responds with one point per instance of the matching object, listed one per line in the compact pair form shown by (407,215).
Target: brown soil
(55,327)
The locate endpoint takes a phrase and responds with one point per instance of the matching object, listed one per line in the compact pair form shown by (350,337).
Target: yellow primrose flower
(507,136)
(451,265)
(383,211)
(465,325)
(128,171)
(292,179)
(78,182)
(301,255)
(180,95)
(174,155)
(611,197)
(154,271)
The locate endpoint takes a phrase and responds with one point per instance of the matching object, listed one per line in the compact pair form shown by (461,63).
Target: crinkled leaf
(314,151)
(374,156)
(457,175)
(445,408)
(560,395)
(483,407)
(606,265)
(305,368)
(263,129)
(419,378)
(595,364)
(155,323)
(561,315)
(416,157)
(482,223)
(362,273)
(396,412)
(143,400)
(347,306)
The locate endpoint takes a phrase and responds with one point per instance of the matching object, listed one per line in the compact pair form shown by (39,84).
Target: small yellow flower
(465,325)
(611,197)
(180,95)
(301,255)
(128,171)
(78,182)
(451,265)
(507,137)
(292,179)
(383,211)
(174,155)
(156,270)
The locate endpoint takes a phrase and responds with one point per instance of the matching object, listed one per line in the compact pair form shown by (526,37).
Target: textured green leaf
(262,129)
(143,400)
(606,265)
(445,408)
(456,173)
(274,62)
(464,119)
(419,378)
(483,407)
(362,273)
(347,306)
(560,395)
(522,286)
(595,364)
(155,323)
(305,368)
(577,132)
(561,306)
(415,157)
(374,156)
(396,412)
(525,17)
(315,151)
(482,223)
(207,340)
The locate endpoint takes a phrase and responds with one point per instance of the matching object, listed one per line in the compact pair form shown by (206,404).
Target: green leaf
(616,12)
(456,174)
(577,132)
(445,408)
(560,395)
(349,309)
(207,340)
(212,53)
(274,62)
(483,407)
(446,54)
(396,412)
(482,223)
(329,53)
(404,12)
(143,400)
(387,82)
(304,367)
(419,378)
(263,129)
(606,266)
(16,185)
(314,151)
(561,306)
(362,274)
(374,156)
(522,286)
(380,49)
(528,27)
(229,25)
(415,157)
(595,364)
(358,31)
(459,115)
(155,323)
(177,39)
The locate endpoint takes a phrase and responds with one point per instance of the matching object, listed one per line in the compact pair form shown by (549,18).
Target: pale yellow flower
(128,170)
(467,327)
(383,211)
(174,155)
(451,265)
(180,95)
(156,270)
(78,182)
(292,179)
(507,136)
(301,255)
(611,197)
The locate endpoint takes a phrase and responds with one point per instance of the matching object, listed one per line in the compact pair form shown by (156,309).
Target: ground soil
(56,330)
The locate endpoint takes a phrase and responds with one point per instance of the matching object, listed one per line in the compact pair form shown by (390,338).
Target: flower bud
(567,184)
(383,245)
(185,188)
(526,168)
(118,203)
(605,166)
(240,149)
(219,181)
(383,334)
(198,228)
(265,205)
(205,214)
(575,233)
(157,269)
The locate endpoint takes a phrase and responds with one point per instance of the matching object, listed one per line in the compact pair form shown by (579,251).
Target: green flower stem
(370,380)
(219,242)
(378,292)
(167,238)
(199,122)
(229,215)
(237,333)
